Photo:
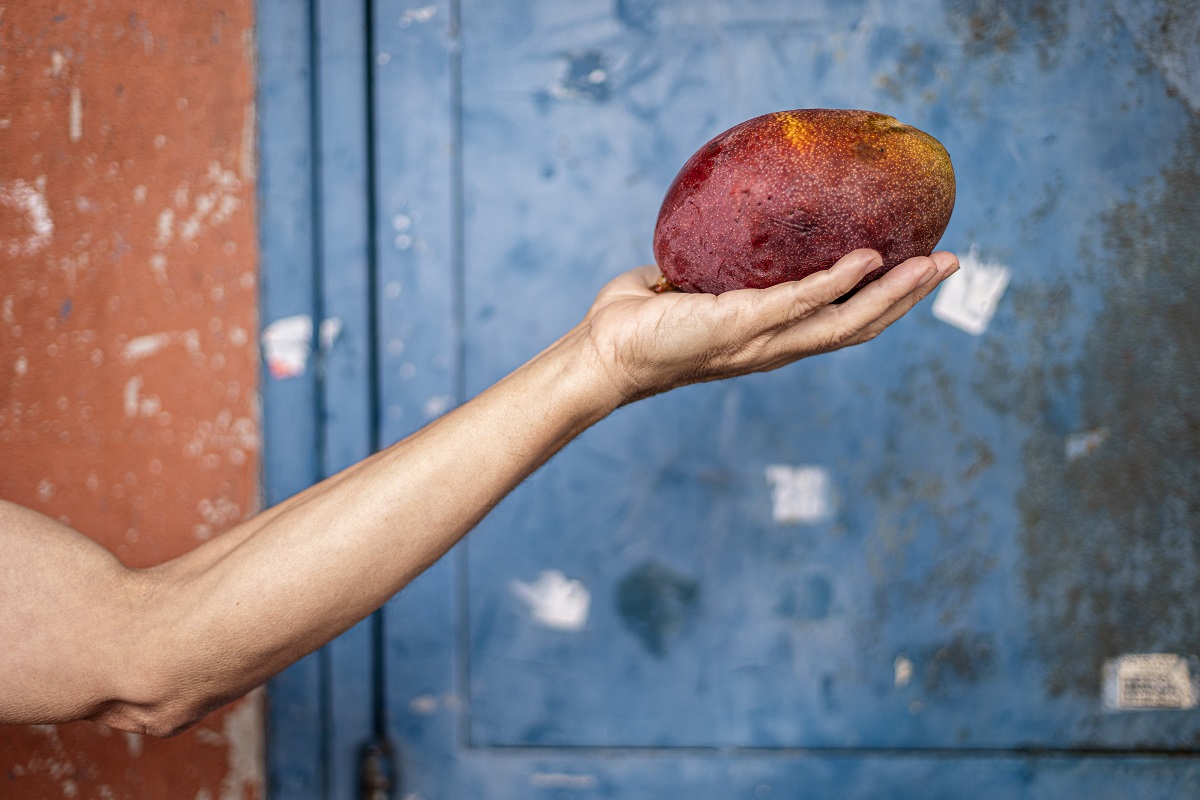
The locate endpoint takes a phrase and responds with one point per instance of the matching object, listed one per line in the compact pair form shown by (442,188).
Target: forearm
(327,558)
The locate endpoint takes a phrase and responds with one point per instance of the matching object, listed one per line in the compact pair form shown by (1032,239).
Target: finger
(947,265)
(786,303)
(836,325)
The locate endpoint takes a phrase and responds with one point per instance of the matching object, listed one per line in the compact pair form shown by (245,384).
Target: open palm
(651,342)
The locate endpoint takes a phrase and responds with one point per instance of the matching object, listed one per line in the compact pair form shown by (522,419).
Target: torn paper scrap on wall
(555,601)
(800,493)
(287,344)
(968,299)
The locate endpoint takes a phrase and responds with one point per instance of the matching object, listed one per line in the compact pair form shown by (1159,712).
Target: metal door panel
(998,514)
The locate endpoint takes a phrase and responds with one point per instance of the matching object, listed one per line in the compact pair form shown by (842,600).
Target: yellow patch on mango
(793,129)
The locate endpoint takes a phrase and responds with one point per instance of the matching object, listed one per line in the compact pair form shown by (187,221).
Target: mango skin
(787,194)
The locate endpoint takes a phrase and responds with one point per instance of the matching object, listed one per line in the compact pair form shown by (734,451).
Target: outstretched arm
(154,650)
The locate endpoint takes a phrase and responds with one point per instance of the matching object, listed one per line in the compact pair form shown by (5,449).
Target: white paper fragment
(1148,681)
(968,298)
(800,493)
(411,15)
(555,601)
(903,668)
(1085,443)
(331,328)
(286,345)
(423,705)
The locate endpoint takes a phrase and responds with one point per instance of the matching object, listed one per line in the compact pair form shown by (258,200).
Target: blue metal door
(964,557)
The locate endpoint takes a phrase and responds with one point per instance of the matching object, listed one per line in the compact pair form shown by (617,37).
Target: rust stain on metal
(128,297)
(988,26)
(1112,553)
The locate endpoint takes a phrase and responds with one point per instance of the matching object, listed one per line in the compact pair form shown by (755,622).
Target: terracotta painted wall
(128,296)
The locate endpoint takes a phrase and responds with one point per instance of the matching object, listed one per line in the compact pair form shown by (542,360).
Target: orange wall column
(128,330)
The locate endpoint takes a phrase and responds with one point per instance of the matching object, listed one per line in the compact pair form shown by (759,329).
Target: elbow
(160,720)
(161,704)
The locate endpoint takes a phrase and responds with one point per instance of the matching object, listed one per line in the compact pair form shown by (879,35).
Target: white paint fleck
(133,743)
(45,490)
(6,310)
(28,200)
(133,389)
(331,328)
(392,290)
(57,62)
(144,347)
(76,115)
(165,227)
(139,194)
(563,780)
(21,366)
(423,705)
(383,59)
(248,157)
(287,344)
(401,222)
(968,299)
(1079,445)
(219,514)
(800,493)
(403,242)
(422,14)
(1150,681)
(903,669)
(221,435)
(244,730)
(555,601)
(438,405)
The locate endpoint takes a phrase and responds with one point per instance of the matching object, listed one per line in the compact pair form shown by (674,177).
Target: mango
(784,195)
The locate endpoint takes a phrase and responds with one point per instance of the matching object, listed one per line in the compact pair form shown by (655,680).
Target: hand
(649,343)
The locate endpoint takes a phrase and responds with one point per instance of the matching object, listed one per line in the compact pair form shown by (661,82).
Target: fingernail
(928,276)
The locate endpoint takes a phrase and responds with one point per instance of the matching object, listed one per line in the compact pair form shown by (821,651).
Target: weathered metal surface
(897,570)
(128,299)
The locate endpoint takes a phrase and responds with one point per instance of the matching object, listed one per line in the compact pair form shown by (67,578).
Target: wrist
(583,376)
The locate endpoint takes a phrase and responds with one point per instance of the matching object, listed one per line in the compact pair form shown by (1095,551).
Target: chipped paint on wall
(128,297)
(245,756)
(968,299)
(555,601)
(27,203)
(1095,527)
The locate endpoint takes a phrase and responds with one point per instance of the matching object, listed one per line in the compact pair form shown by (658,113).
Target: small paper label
(1146,681)
(800,493)
(555,601)
(287,343)
(968,299)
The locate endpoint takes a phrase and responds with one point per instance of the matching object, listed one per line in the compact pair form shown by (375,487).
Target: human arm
(153,650)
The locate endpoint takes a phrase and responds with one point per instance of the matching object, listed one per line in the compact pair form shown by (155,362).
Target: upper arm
(68,613)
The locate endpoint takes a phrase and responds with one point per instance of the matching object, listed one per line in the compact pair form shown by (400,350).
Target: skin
(154,650)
